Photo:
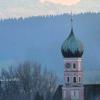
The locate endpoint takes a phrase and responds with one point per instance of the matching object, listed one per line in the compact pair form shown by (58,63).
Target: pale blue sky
(25,8)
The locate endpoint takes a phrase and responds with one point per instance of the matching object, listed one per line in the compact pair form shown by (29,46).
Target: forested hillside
(39,39)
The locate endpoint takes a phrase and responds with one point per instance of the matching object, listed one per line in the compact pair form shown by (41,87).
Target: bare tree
(31,79)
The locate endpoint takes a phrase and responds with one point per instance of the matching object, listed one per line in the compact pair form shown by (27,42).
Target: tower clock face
(67,65)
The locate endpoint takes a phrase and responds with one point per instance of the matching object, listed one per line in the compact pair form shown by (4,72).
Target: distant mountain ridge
(39,39)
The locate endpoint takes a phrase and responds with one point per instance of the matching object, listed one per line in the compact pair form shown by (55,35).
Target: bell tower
(72,51)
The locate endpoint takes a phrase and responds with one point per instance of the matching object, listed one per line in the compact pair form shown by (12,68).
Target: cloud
(61,2)
(27,8)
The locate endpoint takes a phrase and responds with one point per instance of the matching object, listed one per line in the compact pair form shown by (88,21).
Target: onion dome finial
(72,47)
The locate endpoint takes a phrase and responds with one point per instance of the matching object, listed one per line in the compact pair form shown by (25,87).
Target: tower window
(68,79)
(74,79)
(74,65)
(79,79)
(74,95)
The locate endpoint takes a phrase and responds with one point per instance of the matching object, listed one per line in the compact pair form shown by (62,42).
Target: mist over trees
(45,34)
(27,82)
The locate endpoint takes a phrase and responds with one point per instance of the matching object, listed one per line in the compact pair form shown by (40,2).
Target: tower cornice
(73,59)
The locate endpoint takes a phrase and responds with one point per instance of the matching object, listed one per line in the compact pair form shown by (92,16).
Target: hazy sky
(25,8)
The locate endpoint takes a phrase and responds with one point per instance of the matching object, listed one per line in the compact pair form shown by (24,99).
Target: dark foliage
(38,96)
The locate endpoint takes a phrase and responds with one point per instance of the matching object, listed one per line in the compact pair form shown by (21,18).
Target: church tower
(72,51)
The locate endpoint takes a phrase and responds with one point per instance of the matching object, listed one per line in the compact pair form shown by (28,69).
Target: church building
(72,51)
(73,87)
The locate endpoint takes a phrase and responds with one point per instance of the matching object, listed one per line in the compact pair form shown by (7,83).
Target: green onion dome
(72,47)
